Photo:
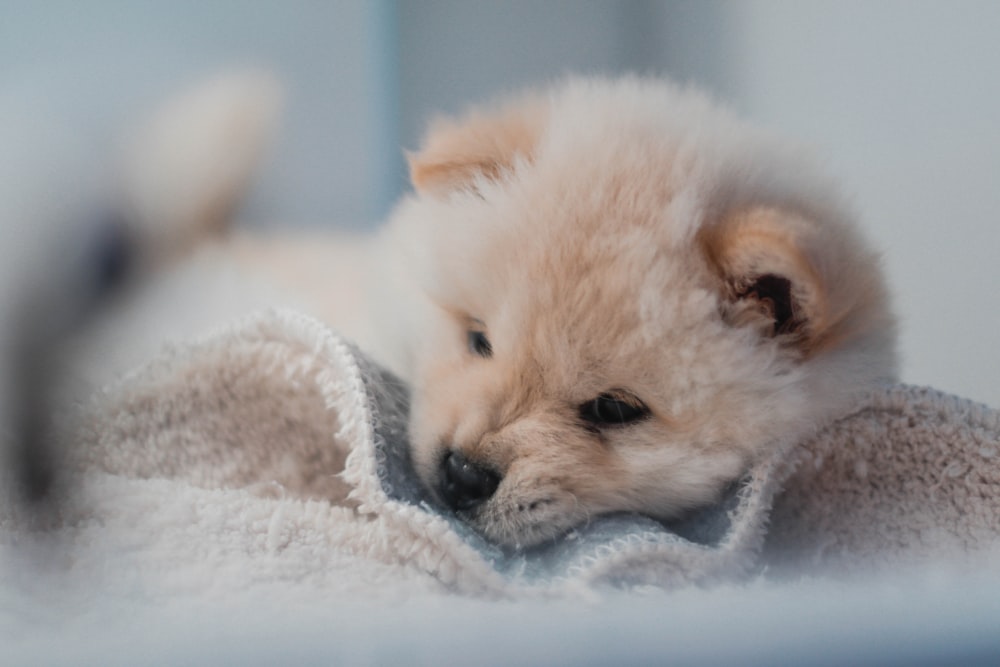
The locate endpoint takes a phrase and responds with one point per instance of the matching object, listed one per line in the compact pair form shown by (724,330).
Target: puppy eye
(614,409)
(479,344)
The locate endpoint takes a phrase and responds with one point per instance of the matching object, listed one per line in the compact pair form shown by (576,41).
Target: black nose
(465,485)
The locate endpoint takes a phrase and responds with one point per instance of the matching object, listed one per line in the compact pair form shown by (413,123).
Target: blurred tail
(188,167)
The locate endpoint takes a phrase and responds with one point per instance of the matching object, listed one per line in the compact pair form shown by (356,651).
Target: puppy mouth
(504,510)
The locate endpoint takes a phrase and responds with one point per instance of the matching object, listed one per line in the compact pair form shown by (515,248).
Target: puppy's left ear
(807,285)
(457,154)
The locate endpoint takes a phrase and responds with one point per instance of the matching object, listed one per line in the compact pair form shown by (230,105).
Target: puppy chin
(526,520)
(522,532)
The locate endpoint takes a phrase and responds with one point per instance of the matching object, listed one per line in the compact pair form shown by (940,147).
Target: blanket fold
(276,445)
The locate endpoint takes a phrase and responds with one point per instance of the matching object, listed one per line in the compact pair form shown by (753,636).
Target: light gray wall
(102,63)
(457,52)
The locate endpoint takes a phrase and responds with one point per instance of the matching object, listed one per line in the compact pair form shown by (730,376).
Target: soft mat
(273,453)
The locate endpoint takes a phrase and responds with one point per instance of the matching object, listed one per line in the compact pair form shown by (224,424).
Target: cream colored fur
(622,236)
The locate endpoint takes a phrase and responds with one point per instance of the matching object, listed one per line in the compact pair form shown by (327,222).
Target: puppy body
(611,296)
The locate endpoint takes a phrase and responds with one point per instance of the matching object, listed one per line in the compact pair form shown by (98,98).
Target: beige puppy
(630,296)
(608,296)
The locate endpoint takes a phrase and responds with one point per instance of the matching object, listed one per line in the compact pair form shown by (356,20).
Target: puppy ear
(456,154)
(809,286)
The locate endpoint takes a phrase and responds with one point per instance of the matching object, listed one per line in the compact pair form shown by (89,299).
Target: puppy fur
(624,239)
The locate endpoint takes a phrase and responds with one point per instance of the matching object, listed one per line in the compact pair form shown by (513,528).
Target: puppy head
(630,297)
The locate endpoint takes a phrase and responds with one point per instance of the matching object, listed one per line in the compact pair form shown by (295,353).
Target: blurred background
(901,97)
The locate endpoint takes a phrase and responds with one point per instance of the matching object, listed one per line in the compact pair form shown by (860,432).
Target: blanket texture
(274,453)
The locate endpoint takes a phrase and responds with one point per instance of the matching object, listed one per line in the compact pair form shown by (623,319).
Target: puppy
(607,296)
(626,297)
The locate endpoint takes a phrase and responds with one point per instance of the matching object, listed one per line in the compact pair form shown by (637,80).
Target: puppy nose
(464,484)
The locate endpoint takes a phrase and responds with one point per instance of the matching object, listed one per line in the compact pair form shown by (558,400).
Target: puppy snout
(465,484)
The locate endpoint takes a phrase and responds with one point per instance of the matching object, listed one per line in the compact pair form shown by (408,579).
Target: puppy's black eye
(479,344)
(614,409)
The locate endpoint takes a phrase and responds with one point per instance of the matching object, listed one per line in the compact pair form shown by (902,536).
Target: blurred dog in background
(83,224)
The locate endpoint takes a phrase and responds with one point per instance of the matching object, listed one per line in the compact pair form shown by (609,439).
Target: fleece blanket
(273,454)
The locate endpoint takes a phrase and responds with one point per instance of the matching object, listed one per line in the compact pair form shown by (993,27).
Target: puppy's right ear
(457,154)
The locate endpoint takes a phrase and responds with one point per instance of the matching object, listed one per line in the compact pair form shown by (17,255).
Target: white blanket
(268,463)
